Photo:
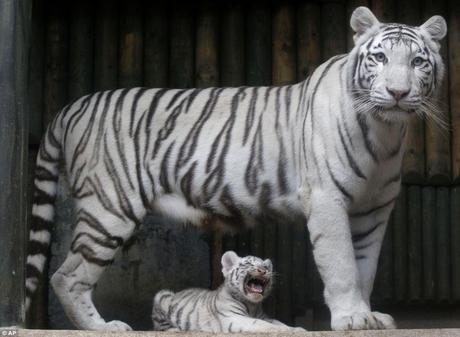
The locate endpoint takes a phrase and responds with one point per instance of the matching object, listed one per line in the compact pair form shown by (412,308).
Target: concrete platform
(369,333)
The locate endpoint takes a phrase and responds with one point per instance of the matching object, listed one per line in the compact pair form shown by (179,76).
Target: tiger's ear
(436,27)
(229,259)
(362,20)
(268,263)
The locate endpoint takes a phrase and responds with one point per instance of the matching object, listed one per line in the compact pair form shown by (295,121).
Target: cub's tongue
(256,287)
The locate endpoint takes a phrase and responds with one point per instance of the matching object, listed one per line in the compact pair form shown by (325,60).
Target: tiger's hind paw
(364,321)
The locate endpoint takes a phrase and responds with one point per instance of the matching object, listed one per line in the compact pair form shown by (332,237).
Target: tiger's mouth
(256,284)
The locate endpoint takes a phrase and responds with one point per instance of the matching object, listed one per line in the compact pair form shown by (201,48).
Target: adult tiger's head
(396,68)
(248,278)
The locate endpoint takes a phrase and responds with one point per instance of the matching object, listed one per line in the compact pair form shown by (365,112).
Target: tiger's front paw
(298,329)
(364,321)
(116,326)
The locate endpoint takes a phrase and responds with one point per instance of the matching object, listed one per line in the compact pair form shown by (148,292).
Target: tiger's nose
(398,94)
(263,271)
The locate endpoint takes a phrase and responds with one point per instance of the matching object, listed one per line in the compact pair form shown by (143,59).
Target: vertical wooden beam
(258,72)
(56,45)
(15,21)
(400,246)
(454,84)
(260,76)
(36,72)
(284,51)
(258,49)
(230,242)
(182,41)
(232,65)
(437,143)
(308,58)
(207,75)
(244,241)
(206,53)
(308,39)
(429,242)
(414,242)
(81,44)
(455,241)
(414,159)
(283,73)
(258,44)
(443,244)
(106,40)
(130,47)
(156,44)
(333,29)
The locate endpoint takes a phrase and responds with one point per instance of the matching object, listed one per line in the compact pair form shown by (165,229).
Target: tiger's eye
(417,61)
(380,57)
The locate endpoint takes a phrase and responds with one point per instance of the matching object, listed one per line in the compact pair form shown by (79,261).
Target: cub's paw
(364,321)
(298,329)
(116,326)
(384,321)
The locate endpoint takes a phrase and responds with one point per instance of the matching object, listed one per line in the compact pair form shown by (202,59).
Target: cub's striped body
(235,307)
(326,151)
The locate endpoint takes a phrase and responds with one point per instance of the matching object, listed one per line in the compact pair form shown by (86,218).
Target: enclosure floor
(385,333)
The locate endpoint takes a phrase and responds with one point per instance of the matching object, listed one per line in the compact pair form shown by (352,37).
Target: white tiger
(236,306)
(326,151)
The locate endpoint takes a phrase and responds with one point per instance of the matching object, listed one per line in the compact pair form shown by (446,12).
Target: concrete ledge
(368,333)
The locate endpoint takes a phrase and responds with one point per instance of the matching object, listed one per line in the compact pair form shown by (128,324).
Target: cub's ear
(362,20)
(229,259)
(436,27)
(268,263)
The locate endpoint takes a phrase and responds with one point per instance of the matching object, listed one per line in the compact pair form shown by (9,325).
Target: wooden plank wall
(15,27)
(96,45)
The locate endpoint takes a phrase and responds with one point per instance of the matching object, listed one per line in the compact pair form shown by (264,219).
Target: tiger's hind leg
(93,248)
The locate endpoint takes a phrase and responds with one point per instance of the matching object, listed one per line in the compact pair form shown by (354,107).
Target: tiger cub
(236,306)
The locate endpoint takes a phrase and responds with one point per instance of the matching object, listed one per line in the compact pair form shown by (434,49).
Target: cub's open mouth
(255,284)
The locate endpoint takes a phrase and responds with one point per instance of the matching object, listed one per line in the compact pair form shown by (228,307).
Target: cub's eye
(417,61)
(380,57)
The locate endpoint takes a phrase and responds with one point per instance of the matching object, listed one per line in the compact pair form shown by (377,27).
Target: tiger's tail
(161,305)
(45,190)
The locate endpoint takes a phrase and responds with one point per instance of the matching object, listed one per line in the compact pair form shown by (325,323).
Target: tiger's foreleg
(368,233)
(330,234)
(92,250)
(274,321)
